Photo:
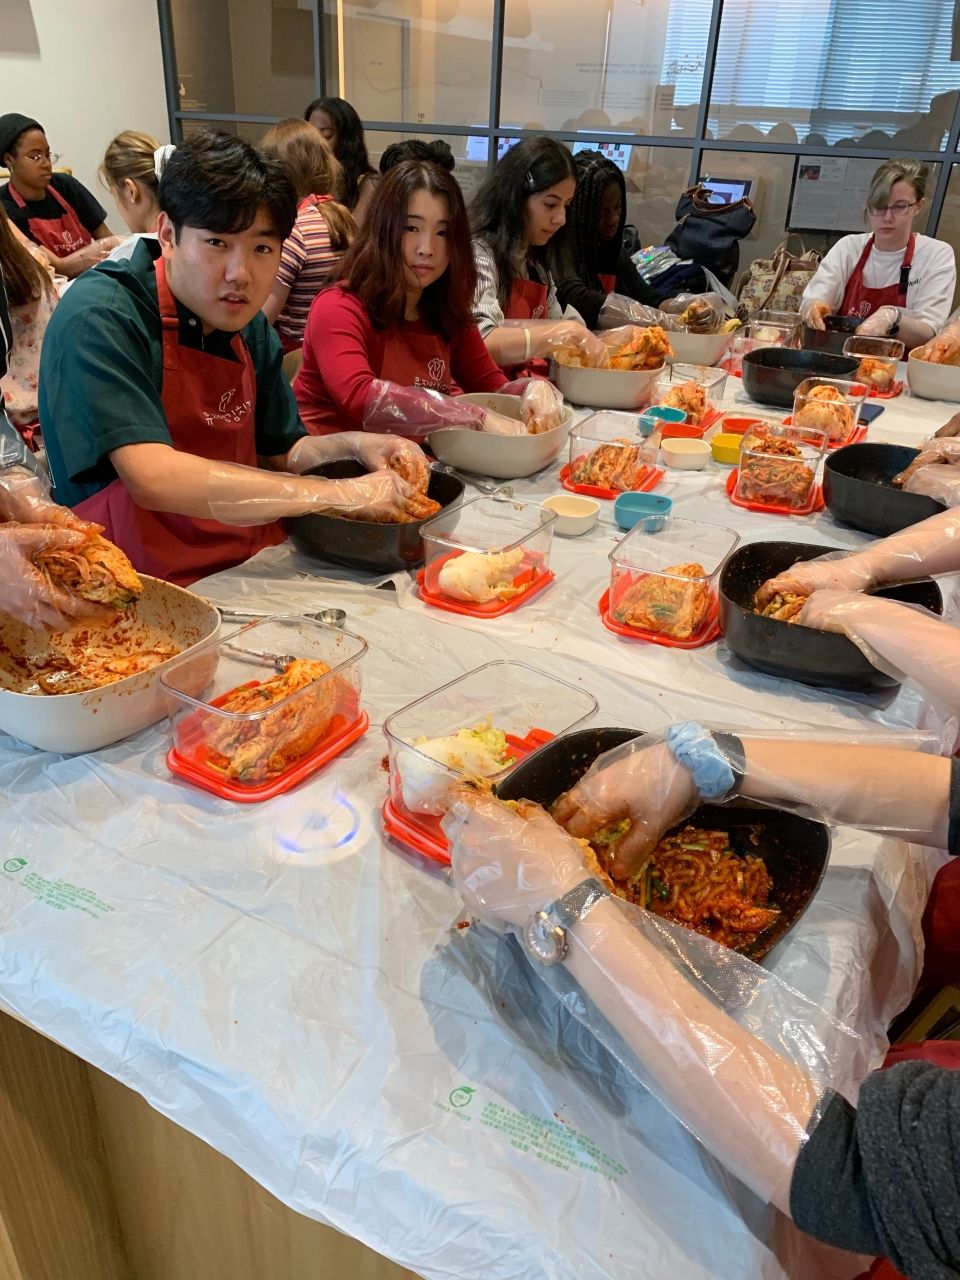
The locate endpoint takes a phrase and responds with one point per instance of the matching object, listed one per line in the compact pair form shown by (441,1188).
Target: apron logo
(226,398)
(436,368)
(69,241)
(227,411)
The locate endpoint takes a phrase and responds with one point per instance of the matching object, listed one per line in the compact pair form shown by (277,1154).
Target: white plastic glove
(541,406)
(498,424)
(25,498)
(879,323)
(836,572)
(618,310)
(814,314)
(937,482)
(416,411)
(392,453)
(28,594)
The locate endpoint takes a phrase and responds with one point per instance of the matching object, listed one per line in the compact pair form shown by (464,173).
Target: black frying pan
(796,850)
(771,375)
(858,489)
(822,658)
(359,544)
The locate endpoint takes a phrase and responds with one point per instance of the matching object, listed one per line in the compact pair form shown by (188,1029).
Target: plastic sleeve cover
(375,452)
(618,310)
(416,411)
(250,496)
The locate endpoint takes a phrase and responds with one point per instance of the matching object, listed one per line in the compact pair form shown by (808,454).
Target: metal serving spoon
(491,490)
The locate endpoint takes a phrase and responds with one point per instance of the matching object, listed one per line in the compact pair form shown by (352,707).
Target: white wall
(86,69)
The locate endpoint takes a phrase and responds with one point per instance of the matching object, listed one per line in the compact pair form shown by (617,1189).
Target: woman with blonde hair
(895,281)
(31,295)
(131,172)
(322,233)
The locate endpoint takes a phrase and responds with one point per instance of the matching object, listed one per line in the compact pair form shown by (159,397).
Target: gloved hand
(498,424)
(814,314)
(380,496)
(391,453)
(641,781)
(879,323)
(568,335)
(836,572)
(942,483)
(619,310)
(696,312)
(509,863)
(541,406)
(25,498)
(831,610)
(28,594)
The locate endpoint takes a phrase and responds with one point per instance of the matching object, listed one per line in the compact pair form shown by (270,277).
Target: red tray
(650,477)
(345,729)
(532,574)
(691,430)
(707,633)
(422,831)
(813,503)
(859,434)
(894,389)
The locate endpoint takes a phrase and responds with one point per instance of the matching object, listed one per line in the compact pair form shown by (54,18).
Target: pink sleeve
(340,345)
(472,367)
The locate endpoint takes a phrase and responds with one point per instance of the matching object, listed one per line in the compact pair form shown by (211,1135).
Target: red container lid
(814,501)
(647,479)
(691,430)
(854,438)
(894,389)
(533,577)
(706,635)
(422,831)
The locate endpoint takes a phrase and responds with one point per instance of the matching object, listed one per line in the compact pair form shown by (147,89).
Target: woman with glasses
(53,210)
(896,281)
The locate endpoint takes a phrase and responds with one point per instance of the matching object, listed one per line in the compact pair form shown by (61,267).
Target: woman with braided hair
(588,260)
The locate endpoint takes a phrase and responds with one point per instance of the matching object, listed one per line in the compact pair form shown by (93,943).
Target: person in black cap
(52,209)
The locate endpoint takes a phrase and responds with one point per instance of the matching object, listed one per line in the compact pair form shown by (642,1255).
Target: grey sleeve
(885,1179)
(487,311)
(13,452)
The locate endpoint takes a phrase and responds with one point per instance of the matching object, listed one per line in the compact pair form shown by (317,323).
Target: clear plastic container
(517,708)
(609,453)
(663,579)
(508,544)
(788,320)
(695,388)
(778,466)
(225,740)
(831,405)
(878,358)
(757,334)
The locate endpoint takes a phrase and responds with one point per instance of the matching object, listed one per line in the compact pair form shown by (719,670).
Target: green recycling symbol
(460,1097)
(14,864)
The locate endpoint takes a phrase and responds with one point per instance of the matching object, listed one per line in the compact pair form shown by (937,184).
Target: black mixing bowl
(771,375)
(796,850)
(823,658)
(836,330)
(360,544)
(858,489)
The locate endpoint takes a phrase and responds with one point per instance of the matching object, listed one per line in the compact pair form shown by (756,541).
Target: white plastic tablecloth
(280,979)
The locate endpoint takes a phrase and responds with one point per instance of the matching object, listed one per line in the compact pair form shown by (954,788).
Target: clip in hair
(528,181)
(160,158)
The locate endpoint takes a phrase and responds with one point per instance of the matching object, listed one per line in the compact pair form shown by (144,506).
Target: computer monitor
(476,148)
(617,152)
(727,190)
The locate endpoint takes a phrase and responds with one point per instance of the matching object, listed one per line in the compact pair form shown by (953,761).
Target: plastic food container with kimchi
(760,333)
(256,712)
(486,556)
(694,388)
(663,581)
(831,405)
(878,358)
(778,467)
(609,455)
(480,725)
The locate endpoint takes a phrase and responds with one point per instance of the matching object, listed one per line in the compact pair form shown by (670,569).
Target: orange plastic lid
(647,479)
(342,734)
(707,633)
(422,831)
(894,389)
(814,501)
(854,438)
(532,577)
(691,430)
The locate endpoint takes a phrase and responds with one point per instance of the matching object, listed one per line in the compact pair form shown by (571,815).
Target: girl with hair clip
(32,297)
(339,125)
(391,346)
(896,281)
(587,259)
(322,233)
(131,170)
(520,207)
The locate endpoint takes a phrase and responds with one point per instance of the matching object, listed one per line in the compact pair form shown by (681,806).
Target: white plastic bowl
(700,348)
(575,515)
(933,381)
(605,388)
(502,457)
(74,722)
(685,455)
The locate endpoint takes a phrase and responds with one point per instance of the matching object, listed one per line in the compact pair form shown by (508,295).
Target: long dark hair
(499,208)
(373,268)
(24,277)
(579,243)
(351,148)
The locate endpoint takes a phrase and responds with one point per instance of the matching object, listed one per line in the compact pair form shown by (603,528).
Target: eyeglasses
(37,156)
(899,210)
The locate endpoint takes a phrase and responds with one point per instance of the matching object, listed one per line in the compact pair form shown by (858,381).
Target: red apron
(528,301)
(860,301)
(608,283)
(415,357)
(63,235)
(209,403)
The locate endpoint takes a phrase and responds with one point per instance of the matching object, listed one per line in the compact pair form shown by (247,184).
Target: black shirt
(90,212)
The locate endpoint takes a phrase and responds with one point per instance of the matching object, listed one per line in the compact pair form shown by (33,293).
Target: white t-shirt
(933,276)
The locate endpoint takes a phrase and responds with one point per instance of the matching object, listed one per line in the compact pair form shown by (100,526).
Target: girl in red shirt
(392,344)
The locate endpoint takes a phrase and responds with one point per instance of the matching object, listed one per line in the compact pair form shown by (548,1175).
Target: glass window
(618,66)
(414,63)
(823,72)
(469,153)
(948,227)
(243,57)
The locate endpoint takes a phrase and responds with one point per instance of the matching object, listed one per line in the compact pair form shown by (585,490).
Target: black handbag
(710,233)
